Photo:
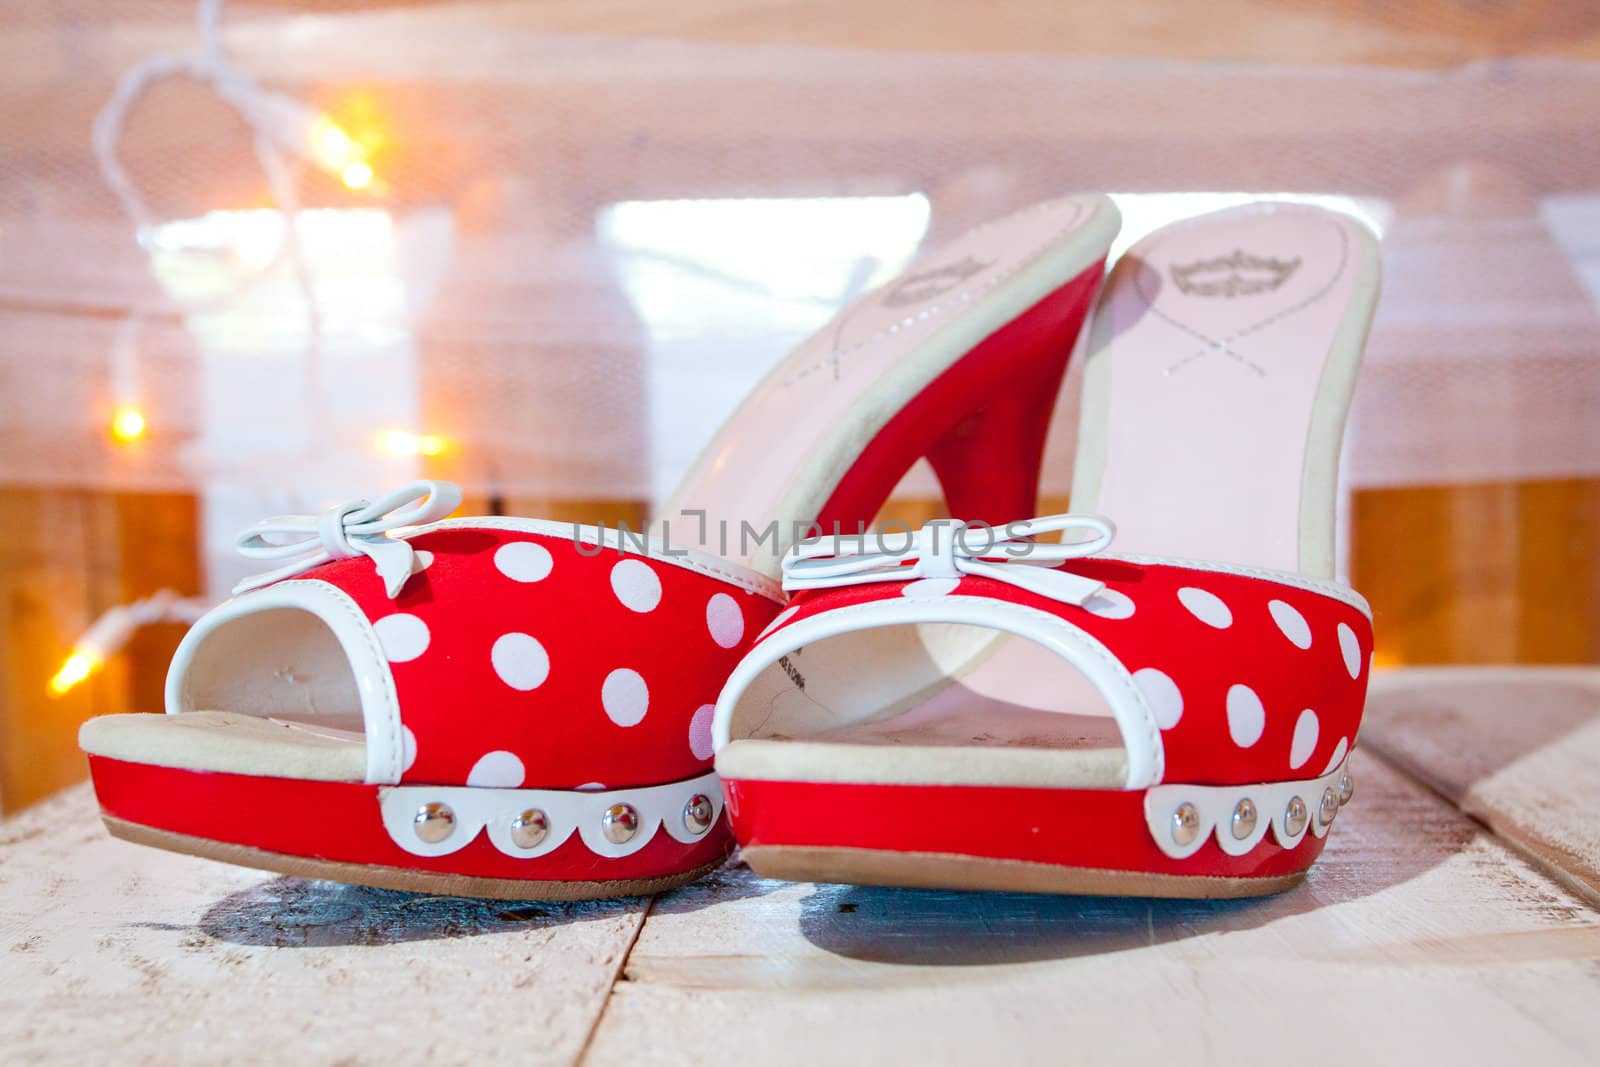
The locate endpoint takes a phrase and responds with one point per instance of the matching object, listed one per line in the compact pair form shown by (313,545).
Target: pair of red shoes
(514,708)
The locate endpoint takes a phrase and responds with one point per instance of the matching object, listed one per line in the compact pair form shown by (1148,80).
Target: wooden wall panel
(68,556)
(1494,573)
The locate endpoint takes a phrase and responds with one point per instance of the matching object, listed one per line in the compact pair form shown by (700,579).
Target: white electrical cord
(116,626)
(277,122)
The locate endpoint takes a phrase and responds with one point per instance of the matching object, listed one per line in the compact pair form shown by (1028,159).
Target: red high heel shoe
(505,707)
(1175,719)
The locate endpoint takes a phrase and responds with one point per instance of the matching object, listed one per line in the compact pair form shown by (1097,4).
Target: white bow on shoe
(354,528)
(948,548)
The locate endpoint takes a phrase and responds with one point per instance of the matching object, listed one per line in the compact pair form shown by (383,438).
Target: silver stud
(697,814)
(434,822)
(1244,819)
(1185,824)
(1294,817)
(1329,806)
(530,828)
(619,823)
(1347,788)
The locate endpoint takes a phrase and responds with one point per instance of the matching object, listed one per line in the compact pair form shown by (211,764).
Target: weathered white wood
(112,953)
(1517,747)
(1419,938)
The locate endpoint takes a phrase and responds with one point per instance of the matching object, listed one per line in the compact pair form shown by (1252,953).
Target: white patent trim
(605,538)
(1141,737)
(1216,803)
(568,811)
(380,704)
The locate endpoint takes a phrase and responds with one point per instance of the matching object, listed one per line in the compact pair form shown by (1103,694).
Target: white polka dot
(523,561)
(424,559)
(625,697)
(724,620)
(403,637)
(1305,739)
(1207,607)
(700,731)
(408,748)
(782,617)
(592,787)
(1246,717)
(1110,604)
(926,588)
(1291,623)
(1161,693)
(1351,649)
(520,661)
(636,585)
(1337,758)
(497,770)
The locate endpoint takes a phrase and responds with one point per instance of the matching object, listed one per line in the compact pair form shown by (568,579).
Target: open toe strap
(1215,675)
(487,706)
(492,653)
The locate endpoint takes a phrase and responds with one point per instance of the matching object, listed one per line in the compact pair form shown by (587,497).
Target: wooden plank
(1431,34)
(112,952)
(725,115)
(1418,938)
(1517,748)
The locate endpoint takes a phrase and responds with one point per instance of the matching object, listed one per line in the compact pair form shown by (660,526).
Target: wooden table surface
(1452,919)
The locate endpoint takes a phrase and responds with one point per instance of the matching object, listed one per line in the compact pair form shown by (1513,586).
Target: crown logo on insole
(925,285)
(1238,273)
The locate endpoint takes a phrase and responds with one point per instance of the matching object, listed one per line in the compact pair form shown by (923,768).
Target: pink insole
(1219,329)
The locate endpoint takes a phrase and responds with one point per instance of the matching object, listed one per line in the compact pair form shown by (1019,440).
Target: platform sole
(338,831)
(410,881)
(937,870)
(1001,838)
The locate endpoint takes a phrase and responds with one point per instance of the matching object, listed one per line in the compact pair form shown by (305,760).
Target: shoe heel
(988,463)
(982,423)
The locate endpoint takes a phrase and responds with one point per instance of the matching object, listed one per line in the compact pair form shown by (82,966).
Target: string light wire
(280,126)
(115,627)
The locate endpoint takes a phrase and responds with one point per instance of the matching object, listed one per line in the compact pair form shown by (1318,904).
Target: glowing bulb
(331,146)
(404,443)
(77,667)
(336,144)
(127,424)
(397,443)
(357,175)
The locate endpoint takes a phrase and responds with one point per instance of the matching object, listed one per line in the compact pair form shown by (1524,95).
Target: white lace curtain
(577,248)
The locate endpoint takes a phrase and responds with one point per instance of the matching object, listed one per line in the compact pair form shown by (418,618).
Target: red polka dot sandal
(522,709)
(981,711)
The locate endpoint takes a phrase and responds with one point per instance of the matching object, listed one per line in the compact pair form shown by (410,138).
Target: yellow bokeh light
(127,424)
(357,175)
(77,667)
(332,147)
(336,144)
(405,443)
